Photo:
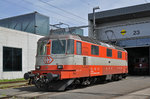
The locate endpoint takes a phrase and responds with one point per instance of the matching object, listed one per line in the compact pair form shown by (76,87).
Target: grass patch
(11,80)
(4,95)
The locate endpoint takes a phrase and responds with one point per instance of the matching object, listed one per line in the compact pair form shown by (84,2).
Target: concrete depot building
(22,44)
(128,27)
(18,43)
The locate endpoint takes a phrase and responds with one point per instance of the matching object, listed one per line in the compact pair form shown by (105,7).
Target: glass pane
(78,45)
(119,54)
(137,60)
(41,48)
(22,23)
(17,59)
(94,50)
(7,59)
(42,24)
(70,46)
(58,46)
(109,52)
(12,59)
(143,60)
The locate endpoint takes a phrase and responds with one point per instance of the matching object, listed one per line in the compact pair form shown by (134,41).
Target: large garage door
(138,60)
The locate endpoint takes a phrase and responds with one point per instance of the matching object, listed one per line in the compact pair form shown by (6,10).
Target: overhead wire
(33,10)
(6,1)
(17,5)
(146,1)
(75,20)
(86,3)
(62,10)
(50,11)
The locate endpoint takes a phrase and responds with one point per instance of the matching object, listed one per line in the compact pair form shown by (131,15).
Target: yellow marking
(123,32)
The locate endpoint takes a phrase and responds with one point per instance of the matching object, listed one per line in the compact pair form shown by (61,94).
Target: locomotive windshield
(70,46)
(41,48)
(141,60)
(59,46)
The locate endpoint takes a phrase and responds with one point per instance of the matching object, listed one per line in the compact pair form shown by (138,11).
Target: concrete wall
(18,39)
(135,28)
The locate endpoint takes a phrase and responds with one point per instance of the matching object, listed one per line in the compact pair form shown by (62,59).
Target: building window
(119,54)
(78,48)
(109,52)
(94,50)
(12,59)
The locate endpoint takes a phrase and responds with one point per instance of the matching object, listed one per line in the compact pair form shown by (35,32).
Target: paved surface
(131,88)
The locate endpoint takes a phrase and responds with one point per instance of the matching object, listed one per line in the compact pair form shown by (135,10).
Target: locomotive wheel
(93,80)
(124,75)
(102,78)
(120,77)
(115,77)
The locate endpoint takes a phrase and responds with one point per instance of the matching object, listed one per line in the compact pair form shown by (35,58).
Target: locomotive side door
(85,54)
(109,61)
(81,56)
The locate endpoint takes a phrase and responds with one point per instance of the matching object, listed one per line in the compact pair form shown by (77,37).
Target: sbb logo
(48,60)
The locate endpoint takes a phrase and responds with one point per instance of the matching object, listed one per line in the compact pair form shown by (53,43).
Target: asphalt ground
(133,87)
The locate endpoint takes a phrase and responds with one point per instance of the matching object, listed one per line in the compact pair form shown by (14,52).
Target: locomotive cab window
(70,46)
(41,48)
(109,52)
(94,50)
(58,46)
(137,60)
(143,60)
(78,48)
(119,54)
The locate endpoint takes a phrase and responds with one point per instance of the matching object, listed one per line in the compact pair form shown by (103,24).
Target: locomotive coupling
(51,76)
(28,75)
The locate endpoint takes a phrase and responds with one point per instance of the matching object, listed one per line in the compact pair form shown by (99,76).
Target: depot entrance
(138,60)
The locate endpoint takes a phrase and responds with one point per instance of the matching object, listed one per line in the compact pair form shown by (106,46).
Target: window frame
(38,50)
(76,47)
(108,52)
(119,54)
(67,46)
(96,53)
(12,57)
(52,46)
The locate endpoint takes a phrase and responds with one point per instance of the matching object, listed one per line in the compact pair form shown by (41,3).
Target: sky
(71,12)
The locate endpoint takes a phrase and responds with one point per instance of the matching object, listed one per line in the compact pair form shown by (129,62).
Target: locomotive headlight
(60,66)
(37,67)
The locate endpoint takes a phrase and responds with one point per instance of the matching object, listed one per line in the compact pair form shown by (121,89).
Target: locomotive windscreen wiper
(61,42)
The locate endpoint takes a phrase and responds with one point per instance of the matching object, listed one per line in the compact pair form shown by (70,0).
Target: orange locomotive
(64,60)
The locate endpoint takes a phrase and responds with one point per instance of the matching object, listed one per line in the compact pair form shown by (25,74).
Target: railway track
(10,82)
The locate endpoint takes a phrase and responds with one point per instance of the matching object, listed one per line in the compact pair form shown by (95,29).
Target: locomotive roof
(95,41)
(79,37)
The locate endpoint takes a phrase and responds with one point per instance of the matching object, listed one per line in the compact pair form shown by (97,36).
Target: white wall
(18,39)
